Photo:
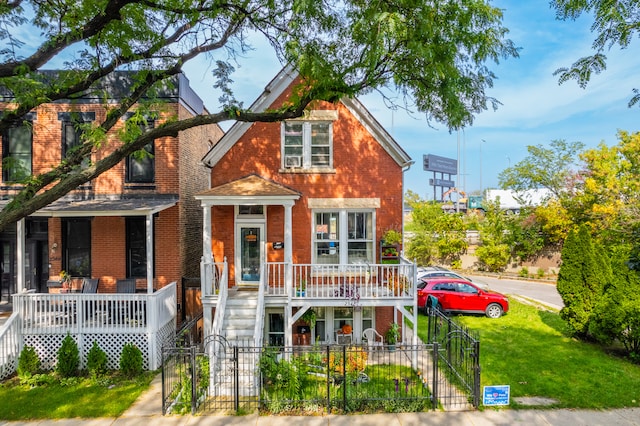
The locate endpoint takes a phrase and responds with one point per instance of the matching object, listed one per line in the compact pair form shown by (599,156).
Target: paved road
(543,292)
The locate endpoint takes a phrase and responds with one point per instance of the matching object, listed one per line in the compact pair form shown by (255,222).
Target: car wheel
(493,310)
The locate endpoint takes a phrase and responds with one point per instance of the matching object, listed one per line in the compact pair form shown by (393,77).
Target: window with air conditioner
(307,144)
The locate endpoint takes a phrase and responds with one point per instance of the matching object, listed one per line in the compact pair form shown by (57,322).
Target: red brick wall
(178,171)
(363,169)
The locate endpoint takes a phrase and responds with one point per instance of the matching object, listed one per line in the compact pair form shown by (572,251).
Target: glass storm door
(250,247)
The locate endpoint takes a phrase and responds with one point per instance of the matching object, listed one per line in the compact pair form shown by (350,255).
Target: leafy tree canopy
(544,167)
(436,54)
(614,23)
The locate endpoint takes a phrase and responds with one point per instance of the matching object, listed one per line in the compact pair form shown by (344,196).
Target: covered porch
(296,288)
(111,320)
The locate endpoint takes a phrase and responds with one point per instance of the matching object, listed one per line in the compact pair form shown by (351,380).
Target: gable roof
(273,90)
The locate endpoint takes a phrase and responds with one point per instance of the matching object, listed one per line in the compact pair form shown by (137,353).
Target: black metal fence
(230,377)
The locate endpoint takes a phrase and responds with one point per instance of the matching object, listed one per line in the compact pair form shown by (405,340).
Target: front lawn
(71,398)
(529,350)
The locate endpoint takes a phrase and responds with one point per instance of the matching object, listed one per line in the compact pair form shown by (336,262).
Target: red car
(455,295)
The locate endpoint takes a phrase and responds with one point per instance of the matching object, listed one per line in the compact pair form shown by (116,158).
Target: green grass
(530,350)
(81,398)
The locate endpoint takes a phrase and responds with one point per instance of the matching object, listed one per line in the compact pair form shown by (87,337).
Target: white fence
(110,320)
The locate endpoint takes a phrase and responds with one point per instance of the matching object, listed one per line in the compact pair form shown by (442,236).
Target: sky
(535,109)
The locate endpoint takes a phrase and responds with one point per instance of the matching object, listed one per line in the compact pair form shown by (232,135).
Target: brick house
(137,220)
(293,223)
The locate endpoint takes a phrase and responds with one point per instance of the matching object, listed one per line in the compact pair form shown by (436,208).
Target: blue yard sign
(496,395)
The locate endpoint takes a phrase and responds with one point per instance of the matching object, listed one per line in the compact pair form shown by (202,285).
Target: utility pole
(481,142)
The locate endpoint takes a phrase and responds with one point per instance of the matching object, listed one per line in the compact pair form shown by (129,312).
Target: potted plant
(65,280)
(300,290)
(392,335)
(392,238)
(310,318)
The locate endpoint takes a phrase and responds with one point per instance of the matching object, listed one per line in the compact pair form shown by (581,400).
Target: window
(307,144)
(275,333)
(136,229)
(72,130)
(367,317)
(17,150)
(140,166)
(251,210)
(77,247)
(332,246)
(341,317)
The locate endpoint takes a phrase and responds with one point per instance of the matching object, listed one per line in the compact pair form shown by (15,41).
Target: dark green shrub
(583,276)
(28,362)
(131,360)
(96,360)
(68,358)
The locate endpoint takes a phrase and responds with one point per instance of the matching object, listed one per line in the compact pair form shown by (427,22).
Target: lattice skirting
(47,346)
(8,366)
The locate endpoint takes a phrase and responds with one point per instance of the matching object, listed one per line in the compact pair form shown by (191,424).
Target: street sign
(434,163)
(442,182)
(496,395)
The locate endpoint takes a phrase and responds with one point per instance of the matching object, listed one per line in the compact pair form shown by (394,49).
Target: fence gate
(215,377)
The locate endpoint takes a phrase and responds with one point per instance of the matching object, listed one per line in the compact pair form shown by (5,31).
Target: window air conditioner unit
(293,161)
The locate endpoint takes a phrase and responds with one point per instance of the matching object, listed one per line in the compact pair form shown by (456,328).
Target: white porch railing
(10,346)
(220,289)
(342,281)
(111,320)
(262,290)
(215,278)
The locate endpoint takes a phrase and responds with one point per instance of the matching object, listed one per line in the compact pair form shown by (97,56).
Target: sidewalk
(148,409)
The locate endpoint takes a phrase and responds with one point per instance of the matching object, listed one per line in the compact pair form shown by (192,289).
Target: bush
(540,273)
(68,358)
(583,275)
(28,362)
(495,257)
(524,272)
(96,360)
(131,360)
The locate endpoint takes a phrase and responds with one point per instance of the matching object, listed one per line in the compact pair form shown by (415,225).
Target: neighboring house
(295,215)
(137,220)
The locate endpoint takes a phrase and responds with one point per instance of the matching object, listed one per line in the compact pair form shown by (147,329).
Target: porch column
(205,262)
(207,253)
(21,254)
(288,259)
(149,223)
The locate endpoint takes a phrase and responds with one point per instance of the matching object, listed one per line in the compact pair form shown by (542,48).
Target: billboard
(434,163)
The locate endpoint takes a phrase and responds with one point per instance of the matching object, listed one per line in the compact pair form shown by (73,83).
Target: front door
(37,266)
(250,249)
(7,273)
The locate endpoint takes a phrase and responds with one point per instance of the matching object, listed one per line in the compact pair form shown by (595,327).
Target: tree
(617,314)
(583,275)
(435,234)
(614,23)
(494,252)
(452,237)
(435,54)
(422,245)
(550,168)
(608,194)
